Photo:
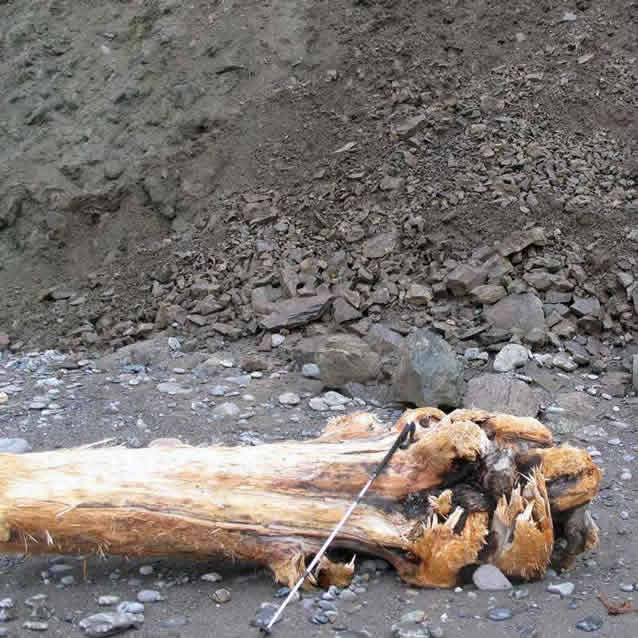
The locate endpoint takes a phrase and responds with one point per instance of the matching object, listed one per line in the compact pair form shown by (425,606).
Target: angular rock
(344,358)
(383,340)
(296,312)
(110,623)
(381,245)
(518,241)
(518,314)
(344,312)
(571,411)
(510,357)
(586,306)
(465,278)
(499,393)
(429,372)
(490,578)
(408,127)
(488,293)
(418,295)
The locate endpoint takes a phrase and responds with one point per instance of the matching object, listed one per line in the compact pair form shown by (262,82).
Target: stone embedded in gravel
(211,577)
(416,616)
(410,630)
(14,446)
(310,370)
(105,601)
(320,619)
(499,613)
(500,393)
(590,623)
(172,389)
(289,398)
(146,570)
(174,621)
(345,358)
(490,578)
(36,625)
(318,404)
(352,634)
(227,409)
(348,595)
(517,314)
(109,623)
(564,589)
(130,607)
(465,278)
(428,372)
(264,615)
(488,293)
(510,357)
(564,363)
(418,295)
(149,596)
(517,241)
(221,596)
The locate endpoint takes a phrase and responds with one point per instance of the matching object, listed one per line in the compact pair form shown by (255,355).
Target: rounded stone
(499,613)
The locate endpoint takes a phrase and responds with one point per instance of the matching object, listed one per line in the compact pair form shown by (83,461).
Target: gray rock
(264,615)
(381,245)
(465,278)
(130,607)
(518,314)
(149,596)
(586,306)
(429,372)
(36,625)
(510,357)
(344,358)
(488,293)
(343,312)
(500,613)
(590,623)
(109,623)
(222,596)
(227,409)
(14,446)
(105,601)
(296,312)
(518,241)
(490,578)
(418,295)
(564,589)
(499,393)
(172,388)
(310,370)
(570,411)
(410,630)
(384,340)
(289,398)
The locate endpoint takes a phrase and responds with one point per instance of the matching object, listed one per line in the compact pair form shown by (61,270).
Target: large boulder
(429,372)
(517,314)
(500,393)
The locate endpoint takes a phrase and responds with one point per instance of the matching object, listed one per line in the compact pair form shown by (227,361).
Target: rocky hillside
(186,167)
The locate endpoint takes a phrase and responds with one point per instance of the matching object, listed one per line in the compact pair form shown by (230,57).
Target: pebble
(222,596)
(348,595)
(410,630)
(104,601)
(7,603)
(175,621)
(310,370)
(289,398)
(227,409)
(109,623)
(146,570)
(626,588)
(320,619)
(264,615)
(36,625)
(277,340)
(149,596)
(211,577)
(318,404)
(172,389)
(499,613)
(416,616)
(490,578)
(219,390)
(590,623)
(130,607)
(564,589)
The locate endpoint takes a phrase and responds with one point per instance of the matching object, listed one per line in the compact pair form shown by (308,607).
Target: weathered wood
(474,487)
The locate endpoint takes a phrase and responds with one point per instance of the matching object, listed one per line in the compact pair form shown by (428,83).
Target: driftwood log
(472,488)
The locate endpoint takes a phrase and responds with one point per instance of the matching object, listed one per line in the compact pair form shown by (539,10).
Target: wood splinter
(474,487)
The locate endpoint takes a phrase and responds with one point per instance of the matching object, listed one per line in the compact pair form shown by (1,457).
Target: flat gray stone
(490,578)
(109,623)
(296,312)
(500,393)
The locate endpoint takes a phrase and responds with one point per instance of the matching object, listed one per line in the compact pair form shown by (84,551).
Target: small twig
(617,610)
